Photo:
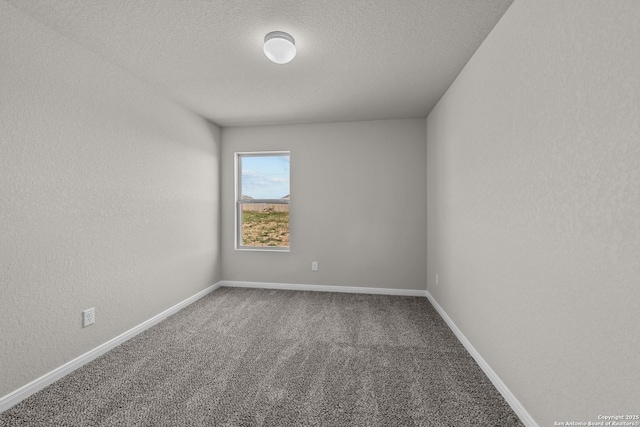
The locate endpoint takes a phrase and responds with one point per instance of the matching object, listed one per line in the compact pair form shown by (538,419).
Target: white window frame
(239,202)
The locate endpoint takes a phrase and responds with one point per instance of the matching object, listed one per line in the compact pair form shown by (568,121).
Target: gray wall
(534,206)
(108,199)
(357,204)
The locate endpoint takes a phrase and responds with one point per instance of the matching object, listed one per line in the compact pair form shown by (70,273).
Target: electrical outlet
(88,317)
(314,266)
(437,280)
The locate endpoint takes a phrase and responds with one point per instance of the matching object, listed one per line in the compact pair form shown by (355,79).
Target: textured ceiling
(357,59)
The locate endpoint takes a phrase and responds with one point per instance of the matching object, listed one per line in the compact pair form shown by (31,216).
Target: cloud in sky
(265,177)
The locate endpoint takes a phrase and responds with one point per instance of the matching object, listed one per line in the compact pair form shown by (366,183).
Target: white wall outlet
(314,266)
(88,317)
(437,280)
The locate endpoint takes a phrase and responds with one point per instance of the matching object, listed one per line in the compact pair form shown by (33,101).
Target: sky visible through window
(265,177)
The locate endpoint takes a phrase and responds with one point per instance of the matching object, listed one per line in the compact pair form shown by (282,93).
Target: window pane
(265,224)
(264,177)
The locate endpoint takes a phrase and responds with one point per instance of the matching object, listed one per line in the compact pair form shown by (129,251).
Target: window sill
(262,249)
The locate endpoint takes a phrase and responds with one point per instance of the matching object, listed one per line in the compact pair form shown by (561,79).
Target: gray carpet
(253,357)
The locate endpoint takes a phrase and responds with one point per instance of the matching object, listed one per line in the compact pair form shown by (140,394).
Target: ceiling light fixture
(279,47)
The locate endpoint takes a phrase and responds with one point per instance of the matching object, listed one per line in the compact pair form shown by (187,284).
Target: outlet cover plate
(88,317)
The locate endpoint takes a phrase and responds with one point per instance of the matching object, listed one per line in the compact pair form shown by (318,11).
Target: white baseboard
(517,407)
(325,288)
(34,386)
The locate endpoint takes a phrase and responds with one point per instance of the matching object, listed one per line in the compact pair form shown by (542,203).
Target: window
(262,200)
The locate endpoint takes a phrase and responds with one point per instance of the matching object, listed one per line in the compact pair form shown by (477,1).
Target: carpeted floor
(253,357)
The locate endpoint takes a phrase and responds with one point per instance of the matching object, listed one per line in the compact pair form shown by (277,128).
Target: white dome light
(279,47)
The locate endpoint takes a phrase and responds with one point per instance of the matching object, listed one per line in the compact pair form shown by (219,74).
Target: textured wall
(534,206)
(357,204)
(108,199)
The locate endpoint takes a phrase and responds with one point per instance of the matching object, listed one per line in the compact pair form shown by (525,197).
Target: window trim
(237,232)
